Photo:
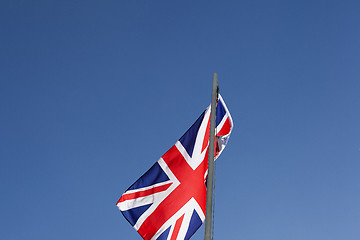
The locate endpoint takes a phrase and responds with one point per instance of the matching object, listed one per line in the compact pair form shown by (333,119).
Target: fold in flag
(169,201)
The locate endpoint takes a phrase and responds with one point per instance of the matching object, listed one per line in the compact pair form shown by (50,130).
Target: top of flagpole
(215,80)
(209,181)
(215,85)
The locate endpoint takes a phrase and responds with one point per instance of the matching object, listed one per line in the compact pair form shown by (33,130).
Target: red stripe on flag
(225,128)
(177,228)
(130,196)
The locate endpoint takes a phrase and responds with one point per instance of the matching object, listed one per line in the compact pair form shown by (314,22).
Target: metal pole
(209,182)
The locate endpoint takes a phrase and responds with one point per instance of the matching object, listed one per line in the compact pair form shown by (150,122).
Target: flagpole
(209,182)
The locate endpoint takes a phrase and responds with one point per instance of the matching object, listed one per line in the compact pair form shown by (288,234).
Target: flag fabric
(169,200)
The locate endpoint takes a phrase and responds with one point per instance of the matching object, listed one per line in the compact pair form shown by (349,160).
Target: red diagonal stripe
(177,228)
(130,196)
(225,128)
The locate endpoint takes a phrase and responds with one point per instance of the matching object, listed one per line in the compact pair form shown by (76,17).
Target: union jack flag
(168,202)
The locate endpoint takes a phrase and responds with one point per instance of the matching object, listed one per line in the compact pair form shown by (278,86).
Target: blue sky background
(92,93)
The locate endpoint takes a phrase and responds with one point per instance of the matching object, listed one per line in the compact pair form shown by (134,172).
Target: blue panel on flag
(189,138)
(154,175)
(220,112)
(164,235)
(195,223)
(133,214)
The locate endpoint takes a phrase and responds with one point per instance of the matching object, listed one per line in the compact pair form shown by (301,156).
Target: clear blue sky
(92,93)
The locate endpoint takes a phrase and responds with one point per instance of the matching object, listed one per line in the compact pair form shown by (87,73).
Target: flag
(169,200)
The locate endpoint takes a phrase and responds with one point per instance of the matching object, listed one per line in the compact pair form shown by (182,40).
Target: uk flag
(168,202)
